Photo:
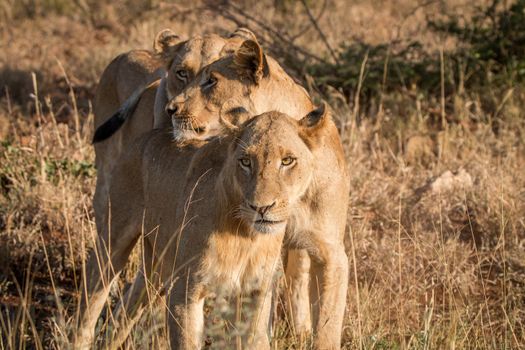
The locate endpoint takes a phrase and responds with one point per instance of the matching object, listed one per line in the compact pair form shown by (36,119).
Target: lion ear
(239,115)
(250,57)
(243,33)
(165,40)
(233,114)
(236,39)
(315,122)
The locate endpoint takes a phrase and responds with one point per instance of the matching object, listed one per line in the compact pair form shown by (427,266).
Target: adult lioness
(253,81)
(215,214)
(130,91)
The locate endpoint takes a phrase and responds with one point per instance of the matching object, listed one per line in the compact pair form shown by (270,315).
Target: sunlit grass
(429,269)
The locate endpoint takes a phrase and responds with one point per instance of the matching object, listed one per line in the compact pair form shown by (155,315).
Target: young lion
(250,80)
(215,213)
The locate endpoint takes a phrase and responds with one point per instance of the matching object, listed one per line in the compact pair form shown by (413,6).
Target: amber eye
(287,161)
(182,74)
(245,162)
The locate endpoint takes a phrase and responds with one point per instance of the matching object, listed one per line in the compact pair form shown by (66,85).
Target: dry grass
(429,268)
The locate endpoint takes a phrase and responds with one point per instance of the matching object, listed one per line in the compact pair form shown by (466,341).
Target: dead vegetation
(436,238)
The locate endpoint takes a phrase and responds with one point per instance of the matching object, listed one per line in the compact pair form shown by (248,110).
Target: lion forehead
(199,51)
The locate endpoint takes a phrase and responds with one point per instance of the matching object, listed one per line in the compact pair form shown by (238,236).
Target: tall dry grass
(437,259)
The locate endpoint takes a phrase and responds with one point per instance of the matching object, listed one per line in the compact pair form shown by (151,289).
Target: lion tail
(125,112)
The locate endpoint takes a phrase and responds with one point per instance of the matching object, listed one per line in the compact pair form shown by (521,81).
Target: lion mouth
(268,222)
(187,123)
(268,226)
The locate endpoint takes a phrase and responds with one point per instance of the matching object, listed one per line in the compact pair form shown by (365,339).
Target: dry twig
(318,29)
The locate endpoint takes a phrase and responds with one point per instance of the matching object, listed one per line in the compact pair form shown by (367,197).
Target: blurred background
(429,100)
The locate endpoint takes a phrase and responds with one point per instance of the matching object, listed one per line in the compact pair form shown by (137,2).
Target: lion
(135,87)
(215,214)
(252,81)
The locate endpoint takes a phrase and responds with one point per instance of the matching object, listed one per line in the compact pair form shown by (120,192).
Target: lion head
(184,59)
(246,80)
(270,167)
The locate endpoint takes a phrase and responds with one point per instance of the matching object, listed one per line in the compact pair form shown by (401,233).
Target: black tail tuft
(111,126)
(114,123)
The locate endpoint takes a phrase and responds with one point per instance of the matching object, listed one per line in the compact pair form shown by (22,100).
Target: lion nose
(262,209)
(173,108)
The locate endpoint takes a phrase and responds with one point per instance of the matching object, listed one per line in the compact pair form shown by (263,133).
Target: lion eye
(287,161)
(245,162)
(210,82)
(182,74)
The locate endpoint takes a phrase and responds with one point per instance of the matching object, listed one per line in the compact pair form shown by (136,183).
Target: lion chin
(268,227)
(184,135)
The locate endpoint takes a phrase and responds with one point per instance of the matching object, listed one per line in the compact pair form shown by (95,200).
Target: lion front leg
(328,289)
(108,258)
(185,316)
(146,287)
(258,336)
(297,290)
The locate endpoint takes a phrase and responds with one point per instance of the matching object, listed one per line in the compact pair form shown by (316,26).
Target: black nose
(262,210)
(172,109)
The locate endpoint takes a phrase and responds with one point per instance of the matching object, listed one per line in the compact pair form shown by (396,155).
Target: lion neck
(279,86)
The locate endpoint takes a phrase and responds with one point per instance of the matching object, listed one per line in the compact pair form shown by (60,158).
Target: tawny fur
(315,234)
(251,81)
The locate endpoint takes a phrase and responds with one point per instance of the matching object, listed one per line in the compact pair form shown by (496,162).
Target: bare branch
(321,34)
(231,12)
(307,27)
